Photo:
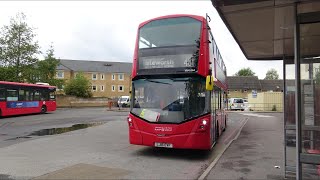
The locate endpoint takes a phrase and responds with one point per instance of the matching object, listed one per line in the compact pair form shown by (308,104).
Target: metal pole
(284,114)
(298,92)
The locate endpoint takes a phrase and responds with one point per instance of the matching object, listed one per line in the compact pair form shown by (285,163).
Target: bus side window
(12,95)
(22,96)
(2,94)
(36,95)
(44,95)
(29,96)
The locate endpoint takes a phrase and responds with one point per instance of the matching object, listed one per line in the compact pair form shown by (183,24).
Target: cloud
(106,30)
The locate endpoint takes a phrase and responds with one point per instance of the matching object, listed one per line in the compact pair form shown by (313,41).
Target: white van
(236,104)
(124,101)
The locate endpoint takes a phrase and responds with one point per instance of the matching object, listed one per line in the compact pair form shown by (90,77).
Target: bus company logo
(19,104)
(163,129)
(189,70)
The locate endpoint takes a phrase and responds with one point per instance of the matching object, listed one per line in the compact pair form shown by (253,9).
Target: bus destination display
(167,61)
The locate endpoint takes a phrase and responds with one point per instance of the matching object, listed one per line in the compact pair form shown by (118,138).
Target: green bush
(274,108)
(79,87)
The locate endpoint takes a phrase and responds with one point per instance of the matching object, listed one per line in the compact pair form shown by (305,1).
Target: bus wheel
(0,113)
(43,109)
(217,132)
(225,124)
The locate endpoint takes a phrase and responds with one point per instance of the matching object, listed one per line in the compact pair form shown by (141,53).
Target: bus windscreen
(169,43)
(174,100)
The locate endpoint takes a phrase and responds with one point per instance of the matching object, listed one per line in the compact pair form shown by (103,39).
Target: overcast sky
(106,30)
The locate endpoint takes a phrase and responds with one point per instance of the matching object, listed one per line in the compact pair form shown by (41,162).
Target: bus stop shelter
(287,30)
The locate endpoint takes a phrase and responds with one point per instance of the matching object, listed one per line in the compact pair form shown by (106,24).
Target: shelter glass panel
(310,92)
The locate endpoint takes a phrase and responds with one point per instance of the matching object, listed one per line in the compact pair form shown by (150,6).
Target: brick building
(108,79)
(242,86)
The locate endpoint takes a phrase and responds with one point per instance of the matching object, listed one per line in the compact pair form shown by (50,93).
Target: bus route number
(189,62)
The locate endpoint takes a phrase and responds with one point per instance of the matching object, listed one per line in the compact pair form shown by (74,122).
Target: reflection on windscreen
(169,32)
(169,100)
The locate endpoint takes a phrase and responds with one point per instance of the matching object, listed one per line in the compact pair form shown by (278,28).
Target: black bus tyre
(225,123)
(0,113)
(43,109)
(217,132)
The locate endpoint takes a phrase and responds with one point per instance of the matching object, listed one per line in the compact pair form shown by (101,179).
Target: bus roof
(200,18)
(25,84)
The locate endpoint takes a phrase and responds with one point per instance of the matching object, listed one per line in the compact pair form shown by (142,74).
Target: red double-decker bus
(174,103)
(23,98)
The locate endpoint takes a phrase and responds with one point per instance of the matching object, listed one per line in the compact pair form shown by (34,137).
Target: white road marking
(255,115)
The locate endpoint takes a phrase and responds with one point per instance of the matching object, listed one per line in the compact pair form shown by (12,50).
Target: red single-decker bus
(24,98)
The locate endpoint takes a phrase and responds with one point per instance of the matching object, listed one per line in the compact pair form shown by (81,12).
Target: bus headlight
(204,122)
(130,122)
(203,125)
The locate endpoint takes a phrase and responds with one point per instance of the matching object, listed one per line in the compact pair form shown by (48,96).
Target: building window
(235,90)
(113,77)
(60,74)
(245,90)
(120,88)
(121,77)
(94,76)
(228,92)
(102,76)
(113,88)
(75,75)
(94,88)
(102,88)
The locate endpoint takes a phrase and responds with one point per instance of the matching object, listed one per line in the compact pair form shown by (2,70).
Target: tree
(6,73)
(272,74)
(18,48)
(45,70)
(79,86)
(245,72)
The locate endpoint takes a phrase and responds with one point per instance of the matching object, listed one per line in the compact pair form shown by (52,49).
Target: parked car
(124,101)
(236,104)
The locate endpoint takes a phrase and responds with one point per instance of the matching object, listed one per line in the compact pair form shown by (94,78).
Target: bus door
(2,101)
(12,98)
(216,113)
(218,110)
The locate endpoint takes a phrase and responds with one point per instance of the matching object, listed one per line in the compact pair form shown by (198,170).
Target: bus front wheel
(217,132)
(43,109)
(225,123)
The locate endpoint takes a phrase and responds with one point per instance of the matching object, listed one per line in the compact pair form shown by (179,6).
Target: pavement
(257,153)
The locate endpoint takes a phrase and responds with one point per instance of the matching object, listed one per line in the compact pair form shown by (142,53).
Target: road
(16,129)
(99,152)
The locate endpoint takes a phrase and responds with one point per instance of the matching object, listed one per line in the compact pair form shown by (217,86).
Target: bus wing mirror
(209,83)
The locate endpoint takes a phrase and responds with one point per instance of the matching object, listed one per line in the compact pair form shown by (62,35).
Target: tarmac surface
(258,151)
(103,151)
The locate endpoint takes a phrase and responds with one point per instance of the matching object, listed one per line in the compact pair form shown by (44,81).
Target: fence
(266,101)
(264,107)
(71,101)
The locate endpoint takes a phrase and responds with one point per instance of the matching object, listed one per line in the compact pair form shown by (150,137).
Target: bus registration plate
(165,145)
